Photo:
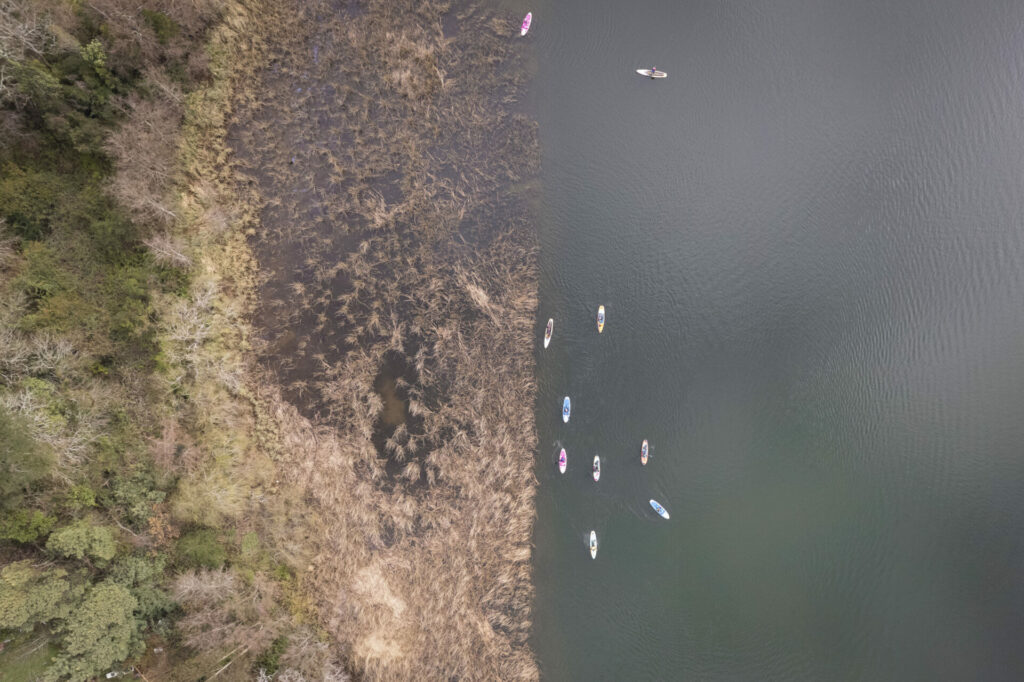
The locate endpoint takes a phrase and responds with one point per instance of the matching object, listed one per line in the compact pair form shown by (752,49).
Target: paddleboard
(643,453)
(547,332)
(561,461)
(566,408)
(597,467)
(593,544)
(600,319)
(652,74)
(527,20)
(658,508)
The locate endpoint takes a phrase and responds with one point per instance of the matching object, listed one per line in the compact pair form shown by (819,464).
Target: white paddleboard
(597,468)
(548,331)
(527,20)
(658,508)
(562,461)
(652,74)
(566,409)
(593,544)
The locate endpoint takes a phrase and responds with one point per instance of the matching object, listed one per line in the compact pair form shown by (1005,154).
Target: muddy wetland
(384,148)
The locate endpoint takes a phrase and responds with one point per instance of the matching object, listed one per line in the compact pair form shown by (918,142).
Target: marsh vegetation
(396,298)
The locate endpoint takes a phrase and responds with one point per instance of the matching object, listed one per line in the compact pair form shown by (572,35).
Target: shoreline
(410,535)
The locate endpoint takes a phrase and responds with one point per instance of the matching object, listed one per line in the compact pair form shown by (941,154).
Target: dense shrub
(270,659)
(30,200)
(79,497)
(42,275)
(202,548)
(163,26)
(24,525)
(24,463)
(133,493)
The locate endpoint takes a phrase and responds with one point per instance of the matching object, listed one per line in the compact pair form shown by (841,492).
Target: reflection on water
(810,236)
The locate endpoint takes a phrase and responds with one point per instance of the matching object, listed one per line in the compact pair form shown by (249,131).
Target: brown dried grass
(388,230)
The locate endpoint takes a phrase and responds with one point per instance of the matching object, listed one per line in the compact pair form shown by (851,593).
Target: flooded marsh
(397,295)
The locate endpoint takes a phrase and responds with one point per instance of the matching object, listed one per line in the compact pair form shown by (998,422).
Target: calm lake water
(810,243)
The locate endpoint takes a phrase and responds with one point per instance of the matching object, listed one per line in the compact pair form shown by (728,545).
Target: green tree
(83,538)
(141,576)
(35,82)
(94,55)
(100,632)
(29,596)
(25,525)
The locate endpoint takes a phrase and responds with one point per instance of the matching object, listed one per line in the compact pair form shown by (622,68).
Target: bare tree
(222,612)
(24,30)
(145,149)
(131,39)
(167,251)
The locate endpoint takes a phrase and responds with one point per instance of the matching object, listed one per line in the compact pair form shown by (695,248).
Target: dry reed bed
(383,153)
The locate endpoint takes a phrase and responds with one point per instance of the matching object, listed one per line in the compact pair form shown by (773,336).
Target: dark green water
(809,243)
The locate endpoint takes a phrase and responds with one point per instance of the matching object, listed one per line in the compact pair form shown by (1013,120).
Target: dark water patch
(398,435)
(449,25)
(389,186)
(384,538)
(396,404)
(353,8)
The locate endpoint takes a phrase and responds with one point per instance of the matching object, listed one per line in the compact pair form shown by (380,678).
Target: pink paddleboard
(527,20)
(561,462)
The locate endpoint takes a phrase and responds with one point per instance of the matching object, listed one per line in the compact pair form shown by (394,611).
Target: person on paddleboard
(654,70)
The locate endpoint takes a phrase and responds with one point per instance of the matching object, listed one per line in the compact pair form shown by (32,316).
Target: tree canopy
(81,539)
(101,631)
(30,596)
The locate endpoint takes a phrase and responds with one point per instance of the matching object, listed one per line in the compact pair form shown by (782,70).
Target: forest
(121,543)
